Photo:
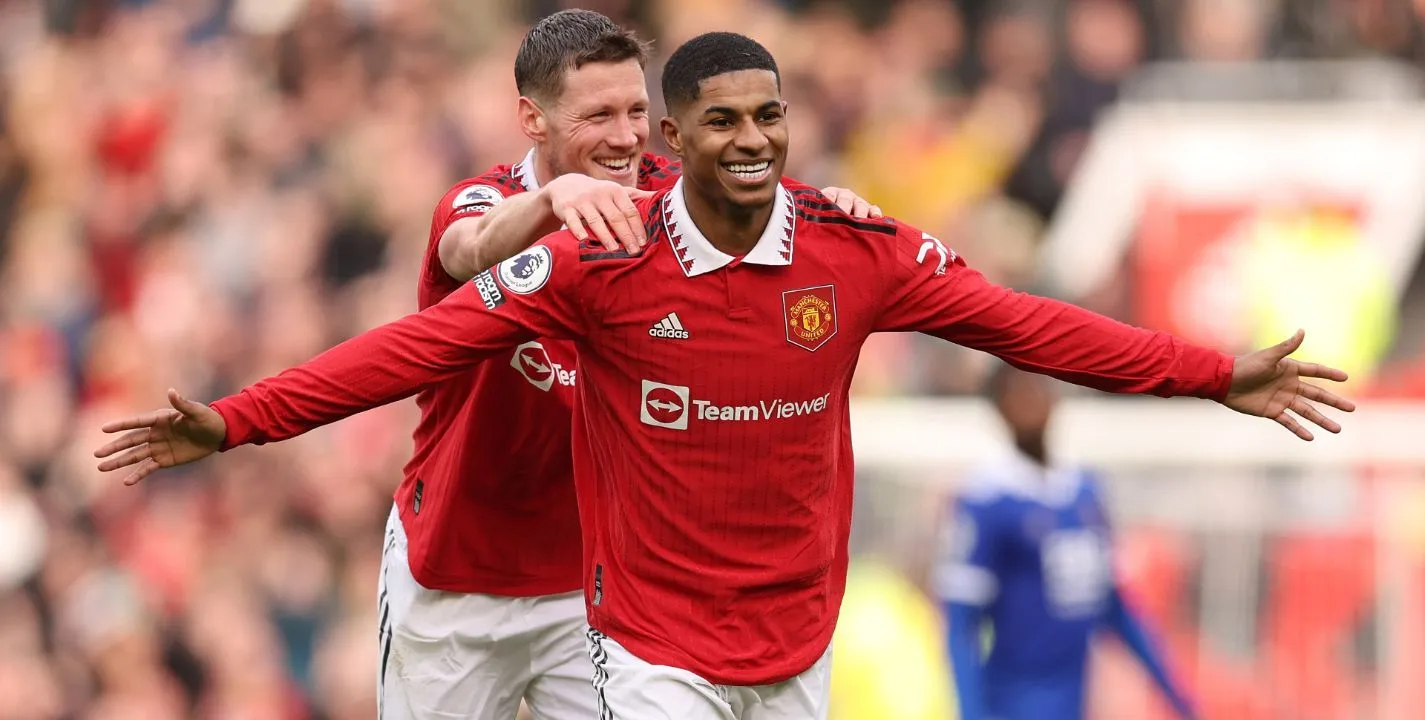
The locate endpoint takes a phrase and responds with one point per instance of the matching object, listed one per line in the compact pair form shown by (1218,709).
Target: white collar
(697,255)
(524,171)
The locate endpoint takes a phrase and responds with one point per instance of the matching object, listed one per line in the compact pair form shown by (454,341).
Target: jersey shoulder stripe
(656,172)
(482,191)
(591,249)
(595,251)
(813,207)
(501,178)
(873,226)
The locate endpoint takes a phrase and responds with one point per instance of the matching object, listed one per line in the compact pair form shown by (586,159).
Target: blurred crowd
(198,193)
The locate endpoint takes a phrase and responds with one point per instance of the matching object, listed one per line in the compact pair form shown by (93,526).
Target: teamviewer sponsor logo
(669,327)
(664,405)
(670,406)
(532,361)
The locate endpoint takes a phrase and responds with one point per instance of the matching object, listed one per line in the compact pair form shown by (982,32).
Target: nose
(623,135)
(750,138)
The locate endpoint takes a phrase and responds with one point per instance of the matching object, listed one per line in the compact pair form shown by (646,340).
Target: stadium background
(198,193)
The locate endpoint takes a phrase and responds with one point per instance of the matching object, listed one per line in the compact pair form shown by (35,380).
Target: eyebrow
(721,110)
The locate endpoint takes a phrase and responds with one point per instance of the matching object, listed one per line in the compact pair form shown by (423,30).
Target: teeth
(619,164)
(749,169)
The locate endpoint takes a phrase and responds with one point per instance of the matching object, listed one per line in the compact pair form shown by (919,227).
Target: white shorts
(461,655)
(628,688)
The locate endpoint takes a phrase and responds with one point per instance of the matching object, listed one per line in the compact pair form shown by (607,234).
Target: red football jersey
(712,450)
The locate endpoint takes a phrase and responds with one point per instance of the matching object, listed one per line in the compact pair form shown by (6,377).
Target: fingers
(1290,423)
(575,224)
(148,419)
(617,219)
(594,219)
(126,441)
(1290,345)
(138,455)
(860,209)
(1317,370)
(635,220)
(194,410)
(607,213)
(1309,412)
(144,469)
(842,198)
(1326,397)
(851,203)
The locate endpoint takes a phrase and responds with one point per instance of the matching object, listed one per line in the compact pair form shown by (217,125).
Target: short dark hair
(569,40)
(710,55)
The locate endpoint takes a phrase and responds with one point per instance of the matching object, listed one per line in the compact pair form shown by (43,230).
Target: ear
(672,136)
(532,121)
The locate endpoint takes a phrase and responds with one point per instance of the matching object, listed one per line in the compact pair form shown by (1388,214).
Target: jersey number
(931,243)
(1077,574)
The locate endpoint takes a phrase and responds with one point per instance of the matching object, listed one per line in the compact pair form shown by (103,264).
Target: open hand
(163,438)
(602,207)
(1268,383)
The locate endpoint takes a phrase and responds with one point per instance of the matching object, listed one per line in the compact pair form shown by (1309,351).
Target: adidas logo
(669,327)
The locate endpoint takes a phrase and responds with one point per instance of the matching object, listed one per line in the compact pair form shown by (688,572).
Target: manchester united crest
(810,314)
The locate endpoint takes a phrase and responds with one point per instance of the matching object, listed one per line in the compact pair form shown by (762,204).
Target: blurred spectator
(1224,30)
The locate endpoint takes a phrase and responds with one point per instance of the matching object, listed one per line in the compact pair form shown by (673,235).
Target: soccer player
(479,589)
(713,466)
(1029,550)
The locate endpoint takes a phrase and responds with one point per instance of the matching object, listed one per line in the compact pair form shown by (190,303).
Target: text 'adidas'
(669,327)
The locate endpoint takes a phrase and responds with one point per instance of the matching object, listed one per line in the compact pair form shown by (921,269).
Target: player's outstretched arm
(484,317)
(1130,628)
(600,208)
(165,438)
(370,370)
(933,291)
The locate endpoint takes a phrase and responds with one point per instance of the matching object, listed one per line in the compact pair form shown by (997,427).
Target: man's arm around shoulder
(589,207)
(473,244)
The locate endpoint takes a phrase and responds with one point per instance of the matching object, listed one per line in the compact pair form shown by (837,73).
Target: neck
(1034,449)
(732,229)
(543,170)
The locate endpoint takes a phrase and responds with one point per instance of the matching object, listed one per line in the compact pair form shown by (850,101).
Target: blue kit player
(1028,548)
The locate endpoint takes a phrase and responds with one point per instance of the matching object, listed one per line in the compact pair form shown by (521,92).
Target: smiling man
(479,589)
(714,469)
